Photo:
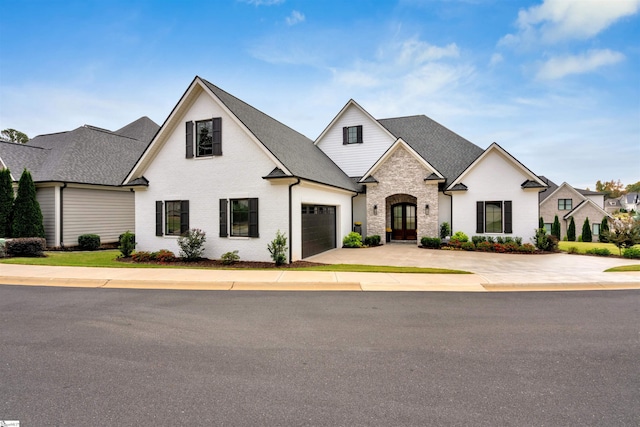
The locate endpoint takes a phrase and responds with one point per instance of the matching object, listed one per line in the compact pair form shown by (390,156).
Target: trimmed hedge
(25,247)
(431,242)
(372,240)
(632,253)
(89,242)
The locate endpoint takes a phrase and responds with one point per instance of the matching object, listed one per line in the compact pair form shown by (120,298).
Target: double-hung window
(352,135)
(205,136)
(239,217)
(494,217)
(565,204)
(172,217)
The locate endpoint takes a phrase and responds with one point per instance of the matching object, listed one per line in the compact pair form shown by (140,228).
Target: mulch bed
(217,264)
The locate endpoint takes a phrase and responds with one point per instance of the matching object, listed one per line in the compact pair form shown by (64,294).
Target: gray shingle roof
(294,150)
(143,129)
(445,150)
(86,155)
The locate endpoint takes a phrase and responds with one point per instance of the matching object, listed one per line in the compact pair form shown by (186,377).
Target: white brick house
(220,165)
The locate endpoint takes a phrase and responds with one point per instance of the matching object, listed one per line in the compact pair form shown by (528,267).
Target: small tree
(624,232)
(127,243)
(27,216)
(586,231)
(541,223)
(191,244)
(445,230)
(571,231)
(604,229)
(278,248)
(555,228)
(6,202)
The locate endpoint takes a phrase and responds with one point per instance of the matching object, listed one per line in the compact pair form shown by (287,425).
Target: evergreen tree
(27,216)
(6,202)
(541,223)
(555,228)
(571,231)
(604,230)
(586,231)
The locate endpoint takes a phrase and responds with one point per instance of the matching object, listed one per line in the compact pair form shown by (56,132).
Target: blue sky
(554,82)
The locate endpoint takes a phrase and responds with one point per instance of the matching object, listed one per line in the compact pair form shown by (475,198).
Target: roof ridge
(22,145)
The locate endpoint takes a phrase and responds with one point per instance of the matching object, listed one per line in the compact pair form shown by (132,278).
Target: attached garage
(318,229)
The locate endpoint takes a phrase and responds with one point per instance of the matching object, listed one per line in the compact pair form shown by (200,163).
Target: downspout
(64,185)
(291,218)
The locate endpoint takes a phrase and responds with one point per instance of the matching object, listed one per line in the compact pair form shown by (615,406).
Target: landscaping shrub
(278,248)
(586,231)
(510,246)
(431,242)
(191,244)
(445,230)
(604,230)
(490,239)
(485,246)
(229,258)
(352,240)
(599,251)
(571,231)
(127,244)
(163,255)
(632,253)
(6,202)
(142,256)
(89,242)
(478,239)
(545,242)
(25,247)
(460,237)
(372,240)
(518,240)
(572,250)
(2,248)
(527,248)
(555,227)
(468,246)
(499,239)
(27,216)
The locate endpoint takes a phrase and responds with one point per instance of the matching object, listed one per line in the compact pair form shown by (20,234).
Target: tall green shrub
(604,230)
(571,231)
(586,231)
(541,223)
(27,216)
(278,248)
(445,230)
(555,228)
(6,202)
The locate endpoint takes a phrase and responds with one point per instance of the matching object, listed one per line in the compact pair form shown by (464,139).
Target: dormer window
(207,138)
(352,135)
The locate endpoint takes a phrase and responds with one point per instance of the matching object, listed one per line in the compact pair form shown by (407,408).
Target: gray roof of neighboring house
(552,186)
(143,129)
(445,150)
(294,150)
(86,155)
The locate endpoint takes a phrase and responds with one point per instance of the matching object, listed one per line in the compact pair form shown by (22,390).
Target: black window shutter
(217,136)
(223,218)
(159,218)
(253,218)
(479,217)
(360,134)
(189,140)
(184,216)
(508,221)
(345,135)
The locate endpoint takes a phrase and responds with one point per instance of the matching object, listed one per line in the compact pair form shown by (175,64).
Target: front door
(403,221)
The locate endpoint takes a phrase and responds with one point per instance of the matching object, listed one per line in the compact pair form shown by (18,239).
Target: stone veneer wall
(402,175)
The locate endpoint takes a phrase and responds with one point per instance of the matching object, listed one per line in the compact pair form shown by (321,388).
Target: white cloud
(496,58)
(414,51)
(558,67)
(556,20)
(295,18)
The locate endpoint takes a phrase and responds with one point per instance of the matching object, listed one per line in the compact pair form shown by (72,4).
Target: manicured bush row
(632,253)
(89,242)
(163,255)
(431,242)
(25,247)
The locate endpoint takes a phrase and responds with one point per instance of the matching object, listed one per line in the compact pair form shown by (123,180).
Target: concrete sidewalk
(283,280)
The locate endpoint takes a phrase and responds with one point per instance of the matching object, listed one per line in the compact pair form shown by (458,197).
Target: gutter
(291,218)
(64,185)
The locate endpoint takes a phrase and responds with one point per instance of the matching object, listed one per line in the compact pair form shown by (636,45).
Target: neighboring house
(78,175)
(220,165)
(631,202)
(568,202)
(612,206)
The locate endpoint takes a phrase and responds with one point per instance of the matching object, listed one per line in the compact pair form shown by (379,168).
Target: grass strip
(635,267)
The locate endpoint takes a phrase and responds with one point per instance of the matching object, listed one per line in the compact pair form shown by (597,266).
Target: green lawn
(635,267)
(108,259)
(584,246)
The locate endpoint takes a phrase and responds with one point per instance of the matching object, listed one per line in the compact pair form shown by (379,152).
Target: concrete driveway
(495,268)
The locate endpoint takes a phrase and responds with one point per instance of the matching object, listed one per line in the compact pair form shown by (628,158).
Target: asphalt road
(96,357)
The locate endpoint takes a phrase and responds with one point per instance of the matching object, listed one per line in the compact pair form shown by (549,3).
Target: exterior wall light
(375,209)
(426,209)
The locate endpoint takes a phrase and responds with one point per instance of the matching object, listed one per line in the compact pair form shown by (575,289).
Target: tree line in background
(614,189)
(14,136)
(20,216)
